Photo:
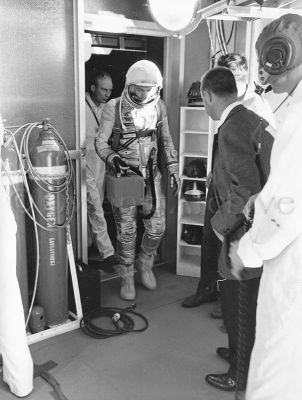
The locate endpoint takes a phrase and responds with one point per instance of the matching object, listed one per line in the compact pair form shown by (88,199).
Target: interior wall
(196,58)
(37,64)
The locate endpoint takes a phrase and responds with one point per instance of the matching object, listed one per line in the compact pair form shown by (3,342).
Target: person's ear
(207,96)
(92,88)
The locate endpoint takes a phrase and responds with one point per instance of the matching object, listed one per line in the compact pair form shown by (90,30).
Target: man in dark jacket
(241,154)
(206,290)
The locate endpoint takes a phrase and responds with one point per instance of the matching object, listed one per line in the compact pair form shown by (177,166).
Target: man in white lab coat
(17,361)
(275,239)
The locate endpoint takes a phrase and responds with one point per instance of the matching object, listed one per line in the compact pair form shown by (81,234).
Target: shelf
(190,220)
(193,204)
(186,244)
(192,212)
(188,178)
(190,120)
(194,154)
(195,142)
(200,108)
(194,132)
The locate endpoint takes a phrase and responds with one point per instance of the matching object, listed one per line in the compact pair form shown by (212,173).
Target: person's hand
(220,237)
(249,208)
(174,183)
(209,179)
(119,165)
(236,262)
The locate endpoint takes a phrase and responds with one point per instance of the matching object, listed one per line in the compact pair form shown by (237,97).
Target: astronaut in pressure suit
(133,129)
(17,361)
(275,239)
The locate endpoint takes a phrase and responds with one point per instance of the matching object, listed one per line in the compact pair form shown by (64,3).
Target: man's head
(279,52)
(237,63)
(143,82)
(219,89)
(101,87)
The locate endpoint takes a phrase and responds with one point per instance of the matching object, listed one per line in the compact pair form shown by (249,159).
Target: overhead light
(177,17)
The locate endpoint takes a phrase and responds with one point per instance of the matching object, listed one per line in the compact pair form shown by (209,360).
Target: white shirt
(91,122)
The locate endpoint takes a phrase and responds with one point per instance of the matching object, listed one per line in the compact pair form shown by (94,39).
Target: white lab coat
(275,240)
(95,183)
(17,361)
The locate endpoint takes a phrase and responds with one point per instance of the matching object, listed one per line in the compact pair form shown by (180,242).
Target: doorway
(120,58)
(123,51)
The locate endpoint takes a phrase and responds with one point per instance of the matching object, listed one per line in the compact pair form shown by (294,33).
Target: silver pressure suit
(147,129)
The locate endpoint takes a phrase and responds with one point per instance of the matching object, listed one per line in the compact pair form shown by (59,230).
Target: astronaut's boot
(144,265)
(127,291)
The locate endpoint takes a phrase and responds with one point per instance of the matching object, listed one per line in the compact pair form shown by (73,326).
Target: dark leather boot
(205,294)
(222,382)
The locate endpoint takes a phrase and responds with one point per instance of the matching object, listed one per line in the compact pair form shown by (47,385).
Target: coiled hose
(121,321)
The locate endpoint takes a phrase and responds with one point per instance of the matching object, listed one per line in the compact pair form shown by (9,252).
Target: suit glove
(174,183)
(117,164)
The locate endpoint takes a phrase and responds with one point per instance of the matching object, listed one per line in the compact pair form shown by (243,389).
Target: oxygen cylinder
(12,166)
(49,164)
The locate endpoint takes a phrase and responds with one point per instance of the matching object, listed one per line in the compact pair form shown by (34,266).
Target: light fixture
(177,17)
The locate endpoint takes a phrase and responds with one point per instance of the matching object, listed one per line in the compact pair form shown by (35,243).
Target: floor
(166,362)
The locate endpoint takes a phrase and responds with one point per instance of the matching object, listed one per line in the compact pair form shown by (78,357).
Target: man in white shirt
(275,239)
(99,93)
(247,94)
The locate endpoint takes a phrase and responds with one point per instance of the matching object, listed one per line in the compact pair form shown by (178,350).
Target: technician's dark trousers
(210,246)
(235,320)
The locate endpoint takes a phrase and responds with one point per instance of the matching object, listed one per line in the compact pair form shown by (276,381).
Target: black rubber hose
(120,319)
(153,193)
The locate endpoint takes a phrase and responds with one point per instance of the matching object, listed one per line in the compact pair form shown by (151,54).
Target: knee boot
(127,291)
(144,265)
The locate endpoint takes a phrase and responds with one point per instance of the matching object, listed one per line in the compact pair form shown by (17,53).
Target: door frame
(173,66)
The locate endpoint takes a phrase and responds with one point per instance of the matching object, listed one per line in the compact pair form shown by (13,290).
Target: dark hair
(99,75)
(219,81)
(233,61)
(93,77)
